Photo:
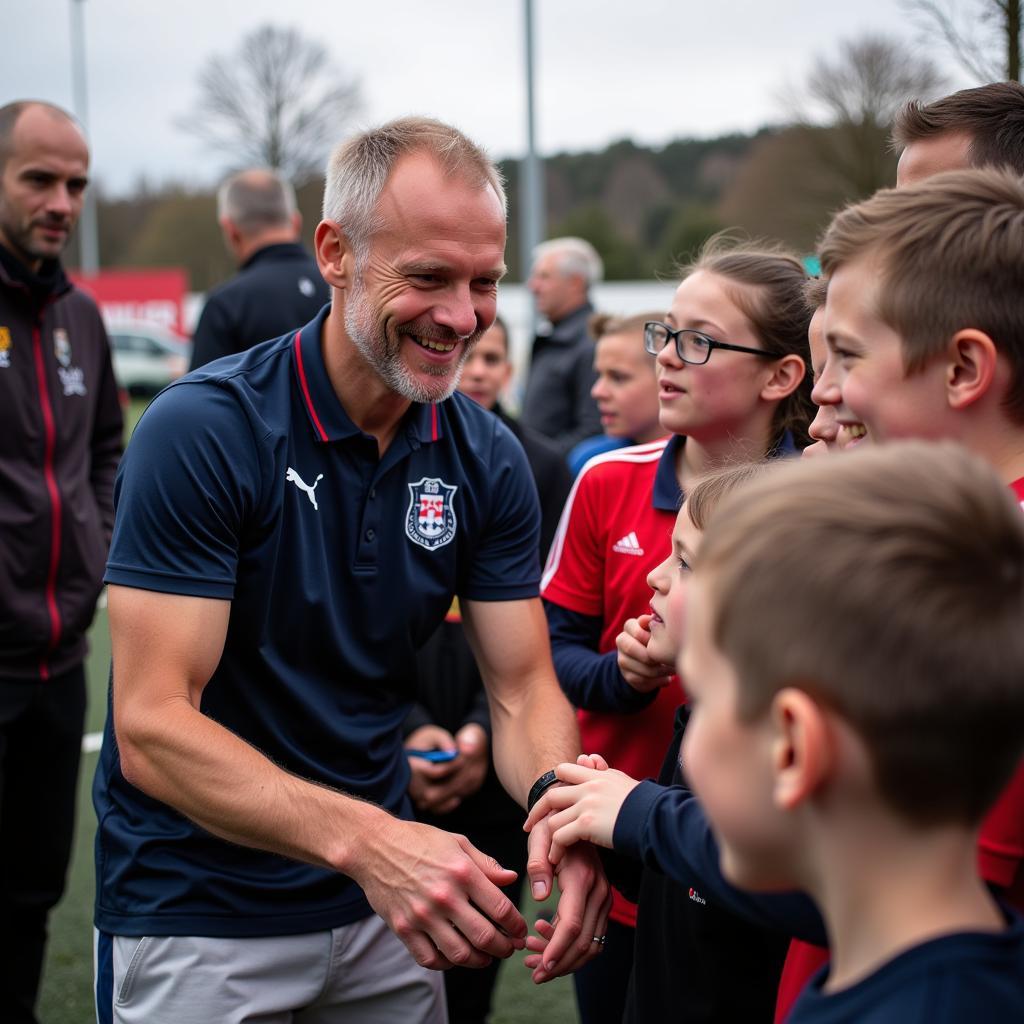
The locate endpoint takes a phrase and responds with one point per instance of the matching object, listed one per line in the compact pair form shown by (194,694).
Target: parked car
(147,357)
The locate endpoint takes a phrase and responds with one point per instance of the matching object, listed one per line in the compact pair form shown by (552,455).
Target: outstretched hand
(586,898)
(583,810)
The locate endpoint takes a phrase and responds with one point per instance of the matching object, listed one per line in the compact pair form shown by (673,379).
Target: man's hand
(439,894)
(440,788)
(582,913)
(638,668)
(583,810)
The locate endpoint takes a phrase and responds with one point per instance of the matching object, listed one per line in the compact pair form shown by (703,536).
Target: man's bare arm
(427,886)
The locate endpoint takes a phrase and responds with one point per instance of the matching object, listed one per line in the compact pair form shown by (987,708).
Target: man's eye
(684,565)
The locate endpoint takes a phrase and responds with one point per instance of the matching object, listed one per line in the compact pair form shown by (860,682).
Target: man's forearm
(533,735)
(183,758)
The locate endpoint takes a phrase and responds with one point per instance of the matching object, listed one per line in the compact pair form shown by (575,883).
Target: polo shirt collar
(421,424)
(667,495)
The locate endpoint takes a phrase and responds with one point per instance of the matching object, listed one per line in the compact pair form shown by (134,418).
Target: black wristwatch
(537,790)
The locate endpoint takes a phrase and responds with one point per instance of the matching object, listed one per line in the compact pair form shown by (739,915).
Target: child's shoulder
(970,976)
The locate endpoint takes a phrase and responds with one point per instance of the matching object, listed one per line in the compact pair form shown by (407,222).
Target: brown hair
(601,324)
(889,585)
(992,115)
(771,281)
(948,253)
(708,492)
(815,293)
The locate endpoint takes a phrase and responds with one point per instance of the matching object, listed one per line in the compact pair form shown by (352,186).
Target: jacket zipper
(56,510)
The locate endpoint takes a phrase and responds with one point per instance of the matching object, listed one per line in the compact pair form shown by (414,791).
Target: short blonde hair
(888,584)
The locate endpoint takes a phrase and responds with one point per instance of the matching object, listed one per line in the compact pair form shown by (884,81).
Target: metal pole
(531,219)
(88,234)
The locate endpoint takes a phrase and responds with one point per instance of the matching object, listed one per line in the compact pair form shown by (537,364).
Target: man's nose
(457,312)
(59,201)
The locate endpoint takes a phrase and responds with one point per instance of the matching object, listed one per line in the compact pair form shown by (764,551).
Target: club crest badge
(430,520)
(5,347)
(61,346)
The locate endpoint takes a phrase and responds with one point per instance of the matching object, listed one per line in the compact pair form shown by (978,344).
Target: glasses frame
(675,336)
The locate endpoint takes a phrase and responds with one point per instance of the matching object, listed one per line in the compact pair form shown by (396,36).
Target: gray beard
(373,346)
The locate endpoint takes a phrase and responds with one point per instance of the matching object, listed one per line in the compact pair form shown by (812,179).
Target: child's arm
(586,808)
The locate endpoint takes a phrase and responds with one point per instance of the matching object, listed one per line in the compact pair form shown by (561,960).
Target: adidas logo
(628,545)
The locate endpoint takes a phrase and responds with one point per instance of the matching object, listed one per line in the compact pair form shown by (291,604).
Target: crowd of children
(841,771)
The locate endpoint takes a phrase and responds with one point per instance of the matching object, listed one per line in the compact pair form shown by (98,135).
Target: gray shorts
(357,974)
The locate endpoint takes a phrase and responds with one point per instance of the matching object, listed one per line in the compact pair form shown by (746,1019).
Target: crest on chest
(430,519)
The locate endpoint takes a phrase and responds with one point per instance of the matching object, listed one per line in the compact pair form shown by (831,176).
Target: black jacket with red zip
(61,434)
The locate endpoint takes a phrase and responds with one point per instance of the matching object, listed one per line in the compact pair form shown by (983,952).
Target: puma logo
(294,478)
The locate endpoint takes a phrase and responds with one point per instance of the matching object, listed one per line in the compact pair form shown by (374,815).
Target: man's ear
(334,254)
(971,369)
(801,747)
(232,236)
(787,373)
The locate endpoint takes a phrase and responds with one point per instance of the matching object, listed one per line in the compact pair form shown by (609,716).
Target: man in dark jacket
(278,286)
(60,441)
(557,402)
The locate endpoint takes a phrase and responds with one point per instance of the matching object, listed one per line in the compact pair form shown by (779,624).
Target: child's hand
(638,668)
(585,809)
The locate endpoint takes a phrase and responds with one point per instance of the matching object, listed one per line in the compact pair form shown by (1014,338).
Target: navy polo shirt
(247,481)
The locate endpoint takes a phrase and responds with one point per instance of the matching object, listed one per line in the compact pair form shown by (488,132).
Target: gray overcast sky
(652,70)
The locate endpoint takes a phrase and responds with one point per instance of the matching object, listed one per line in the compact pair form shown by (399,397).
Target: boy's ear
(787,373)
(334,254)
(971,368)
(801,747)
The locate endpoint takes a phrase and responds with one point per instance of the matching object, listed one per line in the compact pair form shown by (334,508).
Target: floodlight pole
(88,234)
(531,197)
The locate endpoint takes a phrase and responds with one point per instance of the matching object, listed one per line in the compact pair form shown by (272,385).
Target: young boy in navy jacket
(849,739)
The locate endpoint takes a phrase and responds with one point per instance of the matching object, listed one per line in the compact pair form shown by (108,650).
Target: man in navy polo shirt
(290,527)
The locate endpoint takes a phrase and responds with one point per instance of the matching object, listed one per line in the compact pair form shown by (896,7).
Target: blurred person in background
(278,286)
(557,400)
(60,441)
(451,714)
(626,389)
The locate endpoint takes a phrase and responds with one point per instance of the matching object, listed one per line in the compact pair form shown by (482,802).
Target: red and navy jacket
(60,441)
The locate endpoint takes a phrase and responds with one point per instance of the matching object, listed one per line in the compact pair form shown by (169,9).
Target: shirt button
(373,493)
(370,534)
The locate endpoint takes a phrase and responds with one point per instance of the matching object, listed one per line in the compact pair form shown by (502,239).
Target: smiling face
(721,398)
(825,431)
(42,186)
(487,371)
(626,389)
(874,397)
(427,289)
(670,581)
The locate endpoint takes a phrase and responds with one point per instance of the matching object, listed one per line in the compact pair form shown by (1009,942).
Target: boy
(856,759)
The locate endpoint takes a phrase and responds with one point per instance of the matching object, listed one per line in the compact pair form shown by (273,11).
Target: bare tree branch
(276,101)
(986,40)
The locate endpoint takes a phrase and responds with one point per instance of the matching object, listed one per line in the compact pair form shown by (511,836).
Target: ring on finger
(600,939)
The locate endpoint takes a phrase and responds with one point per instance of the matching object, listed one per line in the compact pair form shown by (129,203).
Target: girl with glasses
(732,387)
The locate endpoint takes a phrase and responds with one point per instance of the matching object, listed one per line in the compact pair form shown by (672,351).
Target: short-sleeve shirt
(247,481)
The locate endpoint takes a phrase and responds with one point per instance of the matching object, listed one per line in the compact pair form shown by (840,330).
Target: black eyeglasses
(692,346)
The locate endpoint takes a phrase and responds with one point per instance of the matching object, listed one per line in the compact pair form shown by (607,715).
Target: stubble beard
(371,339)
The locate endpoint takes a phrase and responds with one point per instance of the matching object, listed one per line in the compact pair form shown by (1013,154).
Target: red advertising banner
(155,296)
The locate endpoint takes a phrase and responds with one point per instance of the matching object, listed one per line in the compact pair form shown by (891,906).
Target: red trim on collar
(305,387)
(433,422)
